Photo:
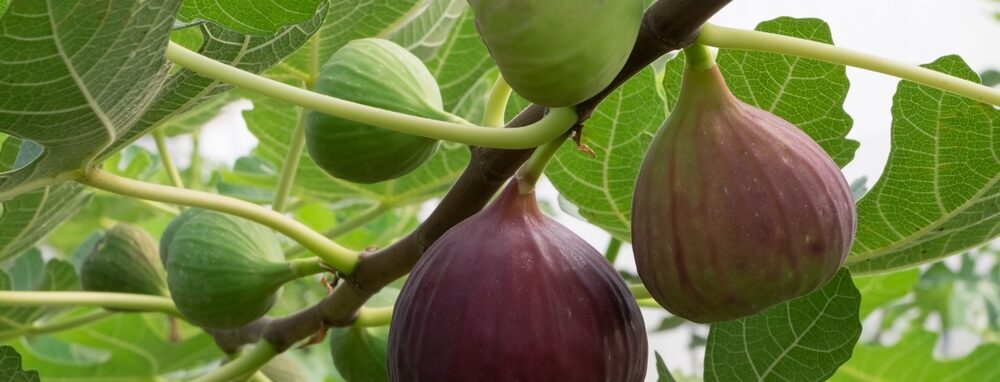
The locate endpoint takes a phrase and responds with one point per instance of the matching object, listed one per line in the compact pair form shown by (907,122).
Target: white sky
(914,31)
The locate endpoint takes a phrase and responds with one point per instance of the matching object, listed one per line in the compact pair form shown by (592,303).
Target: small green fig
(735,209)
(224,271)
(380,74)
(125,260)
(558,52)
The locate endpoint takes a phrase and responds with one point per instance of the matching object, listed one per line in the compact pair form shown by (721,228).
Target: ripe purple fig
(511,295)
(735,209)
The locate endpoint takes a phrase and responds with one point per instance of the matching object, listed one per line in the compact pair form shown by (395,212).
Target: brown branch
(668,25)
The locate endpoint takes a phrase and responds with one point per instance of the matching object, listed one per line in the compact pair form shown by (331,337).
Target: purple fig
(511,295)
(735,209)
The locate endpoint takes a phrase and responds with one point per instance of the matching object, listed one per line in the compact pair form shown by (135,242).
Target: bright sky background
(914,31)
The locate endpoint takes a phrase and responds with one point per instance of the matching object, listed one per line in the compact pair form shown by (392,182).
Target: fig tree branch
(540,131)
(332,253)
(668,25)
(732,38)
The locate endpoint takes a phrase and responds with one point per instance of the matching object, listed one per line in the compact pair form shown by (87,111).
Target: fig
(380,74)
(511,295)
(224,271)
(168,233)
(735,210)
(558,52)
(125,260)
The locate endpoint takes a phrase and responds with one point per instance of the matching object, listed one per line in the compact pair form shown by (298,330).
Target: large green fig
(558,52)
(511,295)
(168,233)
(125,260)
(381,74)
(224,271)
(735,209)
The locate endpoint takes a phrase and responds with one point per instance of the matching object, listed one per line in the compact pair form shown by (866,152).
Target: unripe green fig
(380,74)
(125,260)
(735,210)
(511,295)
(224,271)
(558,52)
(168,233)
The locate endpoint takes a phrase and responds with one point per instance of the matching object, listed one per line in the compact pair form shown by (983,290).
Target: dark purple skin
(511,295)
(735,209)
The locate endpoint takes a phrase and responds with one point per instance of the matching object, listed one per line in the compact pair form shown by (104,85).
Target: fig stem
(529,174)
(307,267)
(332,253)
(291,164)
(195,167)
(496,106)
(611,253)
(37,328)
(247,363)
(374,317)
(733,38)
(124,301)
(699,57)
(160,138)
(556,122)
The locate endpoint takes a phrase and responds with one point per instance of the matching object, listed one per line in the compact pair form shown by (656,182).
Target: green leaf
(29,217)
(131,347)
(94,92)
(938,193)
(427,25)
(29,274)
(661,370)
(810,94)
(192,120)
(912,359)
(10,360)
(460,63)
(878,290)
(254,17)
(805,339)
(619,133)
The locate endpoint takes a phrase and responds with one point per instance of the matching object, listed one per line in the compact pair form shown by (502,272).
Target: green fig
(224,271)
(558,52)
(735,209)
(125,260)
(380,74)
(168,233)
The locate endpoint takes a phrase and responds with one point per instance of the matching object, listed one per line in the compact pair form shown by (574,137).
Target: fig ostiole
(558,52)
(224,271)
(511,295)
(377,73)
(735,210)
(125,260)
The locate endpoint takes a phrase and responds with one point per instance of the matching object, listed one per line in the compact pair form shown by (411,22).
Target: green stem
(291,165)
(307,267)
(614,247)
(639,291)
(124,301)
(195,167)
(496,106)
(347,226)
(374,317)
(259,377)
(648,303)
(548,128)
(168,163)
(246,364)
(332,253)
(699,57)
(36,328)
(732,38)
(527,176)
(314,65)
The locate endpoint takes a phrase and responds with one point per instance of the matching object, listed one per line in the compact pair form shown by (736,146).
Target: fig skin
(378,73)
(224,271)
(168,233)
(511,295)
(735,209)
(125,260)
(558,52)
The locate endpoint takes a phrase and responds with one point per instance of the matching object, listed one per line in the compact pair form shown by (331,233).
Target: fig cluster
(558,52)
(377,73)
(735,210)
(511,295)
